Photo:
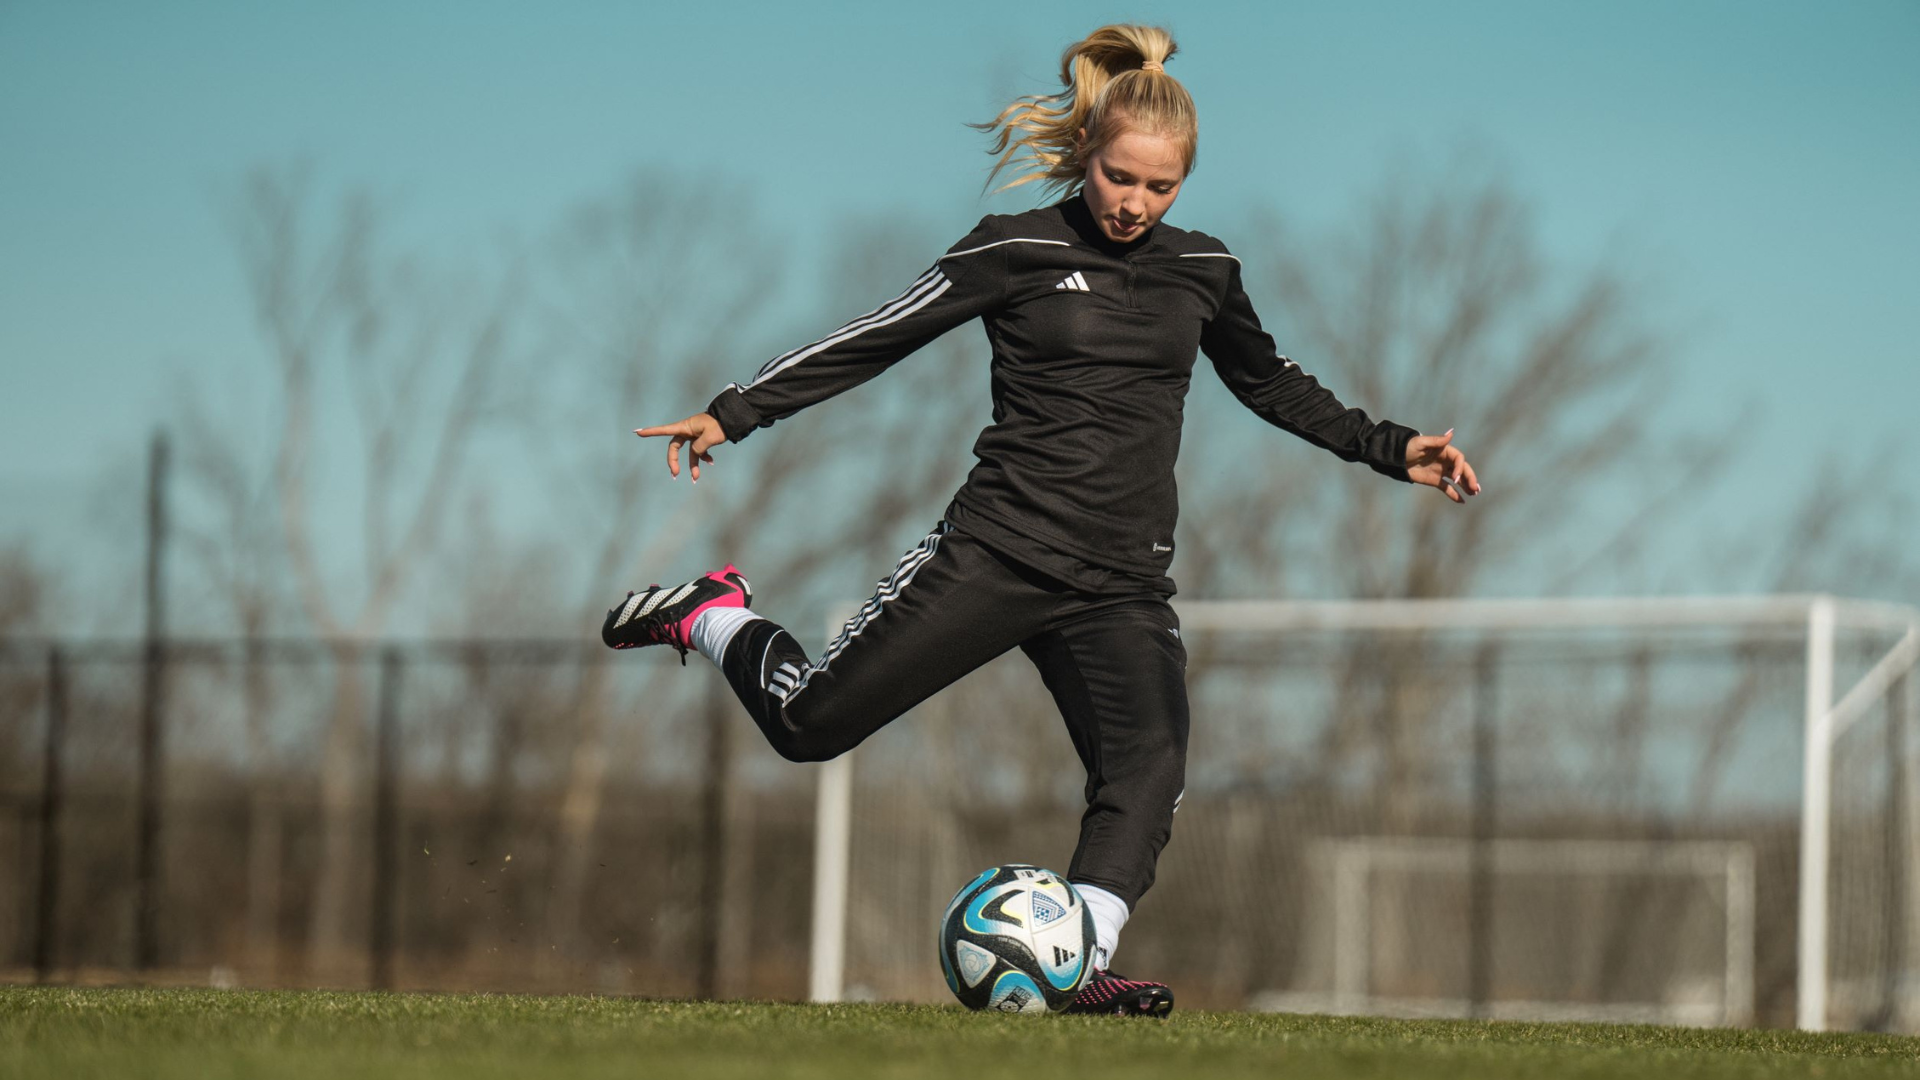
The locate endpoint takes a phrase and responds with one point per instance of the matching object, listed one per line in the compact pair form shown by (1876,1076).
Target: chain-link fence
(535,816)
(1598,823)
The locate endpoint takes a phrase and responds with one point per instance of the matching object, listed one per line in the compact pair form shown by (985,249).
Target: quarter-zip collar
(1079,216)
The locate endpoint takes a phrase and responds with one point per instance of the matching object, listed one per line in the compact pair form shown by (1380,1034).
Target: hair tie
(1152,65)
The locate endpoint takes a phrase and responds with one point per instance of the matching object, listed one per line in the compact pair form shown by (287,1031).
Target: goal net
(1590,809)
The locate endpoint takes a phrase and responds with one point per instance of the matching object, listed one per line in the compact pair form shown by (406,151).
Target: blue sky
(1756,164)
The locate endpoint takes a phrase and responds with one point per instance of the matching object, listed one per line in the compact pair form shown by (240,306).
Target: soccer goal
(1556,894)
(1689,808)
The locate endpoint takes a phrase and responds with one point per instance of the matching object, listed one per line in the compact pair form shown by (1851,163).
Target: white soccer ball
(1016,938)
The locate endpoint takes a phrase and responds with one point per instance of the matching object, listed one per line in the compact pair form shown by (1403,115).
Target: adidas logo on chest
(1074,283)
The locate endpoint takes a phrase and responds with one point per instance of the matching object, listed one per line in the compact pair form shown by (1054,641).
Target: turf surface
(169,1033)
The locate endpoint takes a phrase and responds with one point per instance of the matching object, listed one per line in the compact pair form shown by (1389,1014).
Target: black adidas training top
(1093,346)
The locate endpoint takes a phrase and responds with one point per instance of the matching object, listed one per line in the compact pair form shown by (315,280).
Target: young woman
(1060,539)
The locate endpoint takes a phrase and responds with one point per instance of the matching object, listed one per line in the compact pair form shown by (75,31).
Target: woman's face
(1132,182)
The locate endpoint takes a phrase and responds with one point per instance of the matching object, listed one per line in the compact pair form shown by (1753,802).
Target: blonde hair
(1115,82)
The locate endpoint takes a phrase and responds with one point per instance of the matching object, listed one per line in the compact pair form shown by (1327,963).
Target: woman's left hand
(1434,460)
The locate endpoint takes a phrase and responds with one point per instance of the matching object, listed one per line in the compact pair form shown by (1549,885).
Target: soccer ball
(1017,939)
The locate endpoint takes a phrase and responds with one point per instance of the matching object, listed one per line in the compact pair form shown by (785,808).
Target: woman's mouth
(1122,228)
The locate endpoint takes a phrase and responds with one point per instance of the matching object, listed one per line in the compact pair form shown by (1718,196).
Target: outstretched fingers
(678,435)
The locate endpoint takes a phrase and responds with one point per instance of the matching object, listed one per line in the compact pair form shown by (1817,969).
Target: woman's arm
(965,283)
(1280,393)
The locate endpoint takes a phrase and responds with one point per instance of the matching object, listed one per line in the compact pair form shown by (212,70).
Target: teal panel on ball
(946,968)
(975,919)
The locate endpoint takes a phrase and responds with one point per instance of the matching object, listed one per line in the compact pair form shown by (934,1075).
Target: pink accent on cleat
(665,616)
(735,596)
(1108,993)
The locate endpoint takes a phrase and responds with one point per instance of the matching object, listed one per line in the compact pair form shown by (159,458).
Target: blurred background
(324,329)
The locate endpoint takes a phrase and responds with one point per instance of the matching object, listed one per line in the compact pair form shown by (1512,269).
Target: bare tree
(233,548)
(378,361)
(645,291)
(24,589)
(1440,310)
(1844,534)
(25,594)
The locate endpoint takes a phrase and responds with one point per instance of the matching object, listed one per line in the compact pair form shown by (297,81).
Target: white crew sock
(715,627)
(1109,915)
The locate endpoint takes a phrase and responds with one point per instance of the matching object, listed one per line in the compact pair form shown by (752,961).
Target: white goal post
(1826,718)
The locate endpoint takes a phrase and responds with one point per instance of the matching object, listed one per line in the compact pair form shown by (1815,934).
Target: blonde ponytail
(1115,81)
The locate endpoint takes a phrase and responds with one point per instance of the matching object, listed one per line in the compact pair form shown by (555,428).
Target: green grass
(168,1033)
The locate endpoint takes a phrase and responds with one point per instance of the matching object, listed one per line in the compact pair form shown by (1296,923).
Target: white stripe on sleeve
(920,285)
(928,294)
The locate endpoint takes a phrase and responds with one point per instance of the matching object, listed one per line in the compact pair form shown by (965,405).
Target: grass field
(169,1033)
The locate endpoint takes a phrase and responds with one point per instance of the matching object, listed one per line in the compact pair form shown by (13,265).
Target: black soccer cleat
(1112,995)
(664,615)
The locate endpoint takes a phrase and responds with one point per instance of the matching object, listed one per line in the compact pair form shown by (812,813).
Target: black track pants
(1114,664)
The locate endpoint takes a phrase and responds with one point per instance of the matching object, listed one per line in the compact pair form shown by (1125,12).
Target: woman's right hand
(700,429)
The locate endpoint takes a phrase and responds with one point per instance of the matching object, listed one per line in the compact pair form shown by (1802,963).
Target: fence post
(1480,881)
(386,820)
(146,902)
(47,902)
(714,841)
